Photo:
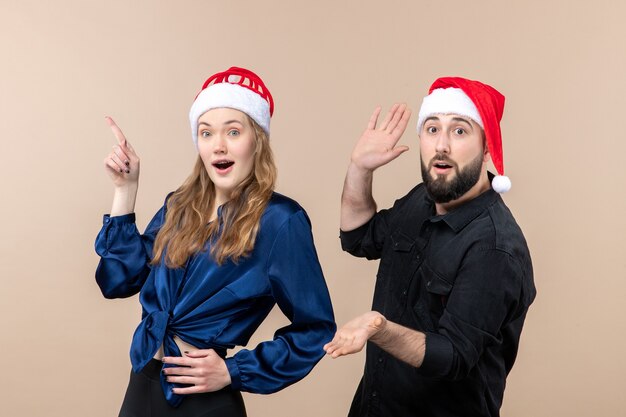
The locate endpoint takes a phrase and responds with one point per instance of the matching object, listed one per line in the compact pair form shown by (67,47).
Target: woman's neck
(220,200)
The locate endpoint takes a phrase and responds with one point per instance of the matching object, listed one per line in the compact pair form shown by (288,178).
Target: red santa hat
(235,88)
(481,103)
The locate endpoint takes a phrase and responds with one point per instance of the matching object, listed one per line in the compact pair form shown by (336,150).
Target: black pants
(145,398)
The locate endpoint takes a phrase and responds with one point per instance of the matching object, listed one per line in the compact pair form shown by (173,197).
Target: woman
(214,260)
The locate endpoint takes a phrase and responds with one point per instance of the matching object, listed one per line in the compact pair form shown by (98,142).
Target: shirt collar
(461,216)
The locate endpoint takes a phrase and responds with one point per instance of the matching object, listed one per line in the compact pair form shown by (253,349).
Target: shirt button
(404,293)
(107,220)
(428,283)
(374,394)
(380,359)
(417,258)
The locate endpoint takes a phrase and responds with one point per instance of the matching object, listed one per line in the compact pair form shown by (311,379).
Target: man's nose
(443,142)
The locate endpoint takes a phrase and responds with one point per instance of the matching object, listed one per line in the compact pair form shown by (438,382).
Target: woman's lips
(223,166)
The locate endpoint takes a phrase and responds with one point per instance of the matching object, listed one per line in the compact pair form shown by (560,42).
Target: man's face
(452,154)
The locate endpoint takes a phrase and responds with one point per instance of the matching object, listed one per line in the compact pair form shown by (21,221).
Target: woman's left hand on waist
(204,369)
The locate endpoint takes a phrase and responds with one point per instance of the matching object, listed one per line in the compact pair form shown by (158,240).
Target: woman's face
(226,143)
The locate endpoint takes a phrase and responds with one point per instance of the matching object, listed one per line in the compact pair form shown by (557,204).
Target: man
(455,276)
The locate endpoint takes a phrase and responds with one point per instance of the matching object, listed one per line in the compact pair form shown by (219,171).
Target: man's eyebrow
(431,118)
(461,119)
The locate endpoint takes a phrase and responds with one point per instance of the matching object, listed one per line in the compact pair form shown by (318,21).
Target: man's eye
(233,132)
(431,129)
(459,131)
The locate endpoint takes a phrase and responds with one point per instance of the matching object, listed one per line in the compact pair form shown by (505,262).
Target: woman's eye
(205,133)
(459,131)
(431,129)
(233,132)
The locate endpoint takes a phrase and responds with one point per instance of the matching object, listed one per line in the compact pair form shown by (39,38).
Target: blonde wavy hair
(187,229)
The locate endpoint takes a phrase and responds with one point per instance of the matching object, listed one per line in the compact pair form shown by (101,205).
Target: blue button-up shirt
(220,307)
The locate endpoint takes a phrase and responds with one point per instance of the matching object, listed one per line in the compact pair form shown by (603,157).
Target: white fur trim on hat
(232,96)
(447,101)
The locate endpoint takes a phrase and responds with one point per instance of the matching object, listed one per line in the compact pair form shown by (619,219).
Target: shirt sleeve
(125,254)
(487,295)
(299,288)
(367,241)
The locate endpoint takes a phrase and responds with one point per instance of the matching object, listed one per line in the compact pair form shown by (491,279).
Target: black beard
(443,191)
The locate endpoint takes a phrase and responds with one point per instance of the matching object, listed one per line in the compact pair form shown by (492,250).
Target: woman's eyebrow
(228,122)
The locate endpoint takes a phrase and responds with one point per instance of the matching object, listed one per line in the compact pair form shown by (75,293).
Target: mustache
(441,157)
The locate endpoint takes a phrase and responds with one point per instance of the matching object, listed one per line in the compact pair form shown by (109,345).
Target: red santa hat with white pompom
(481,103)
(236,88)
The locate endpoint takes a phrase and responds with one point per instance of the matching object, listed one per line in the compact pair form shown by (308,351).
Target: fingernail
(121,170)
(127,163)
(128,171)
(186,352)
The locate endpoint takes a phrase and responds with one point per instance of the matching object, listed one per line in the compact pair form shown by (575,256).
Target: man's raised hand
(377,145)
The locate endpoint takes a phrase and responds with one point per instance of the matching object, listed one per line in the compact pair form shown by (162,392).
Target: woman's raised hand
(122,164)
(377,145)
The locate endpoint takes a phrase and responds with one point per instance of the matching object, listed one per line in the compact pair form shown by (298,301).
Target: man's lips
(441,166)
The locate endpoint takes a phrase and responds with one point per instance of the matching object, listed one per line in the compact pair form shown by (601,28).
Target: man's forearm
(357,202)
(406,344)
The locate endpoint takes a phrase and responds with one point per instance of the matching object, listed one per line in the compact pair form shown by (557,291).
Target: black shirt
(465,280)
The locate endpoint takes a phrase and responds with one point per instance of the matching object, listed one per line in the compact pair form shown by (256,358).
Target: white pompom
(501,184)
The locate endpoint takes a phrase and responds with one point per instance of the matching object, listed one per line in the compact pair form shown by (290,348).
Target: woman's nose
(219,145)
